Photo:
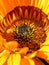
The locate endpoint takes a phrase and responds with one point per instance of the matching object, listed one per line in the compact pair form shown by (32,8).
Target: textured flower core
(26,25)
(29,35)
(24,30)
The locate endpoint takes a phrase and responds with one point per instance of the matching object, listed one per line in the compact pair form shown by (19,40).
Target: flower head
(24,32)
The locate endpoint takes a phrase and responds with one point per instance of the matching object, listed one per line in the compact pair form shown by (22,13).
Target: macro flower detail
(24,32)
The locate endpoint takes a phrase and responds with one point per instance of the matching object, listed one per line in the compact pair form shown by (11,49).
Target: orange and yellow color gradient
(9,56)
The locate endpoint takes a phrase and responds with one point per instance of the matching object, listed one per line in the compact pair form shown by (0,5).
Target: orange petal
(24,50)
(12,45)
(24,62)
(2,41)
(34,61)
(37,61)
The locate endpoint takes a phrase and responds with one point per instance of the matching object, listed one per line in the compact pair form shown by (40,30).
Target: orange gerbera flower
(24,32)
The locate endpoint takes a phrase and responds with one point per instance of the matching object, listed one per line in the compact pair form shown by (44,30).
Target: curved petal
(9,61)
(2,40)
(31,62)
(24,61)
(35,61)
(31,55)
(14,59)
(11,46)
(3,57)
(24,50)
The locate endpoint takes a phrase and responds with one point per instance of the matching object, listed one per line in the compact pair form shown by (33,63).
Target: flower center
(24,31)
(27,25)
(29,35)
